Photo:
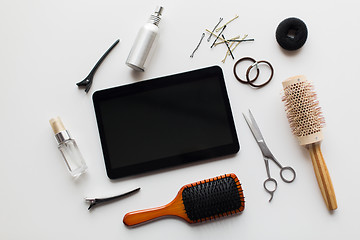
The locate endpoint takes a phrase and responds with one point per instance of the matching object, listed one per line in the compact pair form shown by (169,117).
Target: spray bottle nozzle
(158,10)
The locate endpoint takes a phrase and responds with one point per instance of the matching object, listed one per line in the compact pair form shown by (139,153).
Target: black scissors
(267,155)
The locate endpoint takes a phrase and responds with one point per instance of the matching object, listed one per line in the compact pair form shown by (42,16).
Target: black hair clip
(95,201)
(87,82)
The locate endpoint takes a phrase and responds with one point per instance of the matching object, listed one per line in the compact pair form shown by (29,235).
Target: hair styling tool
(196,202)
(215,28)
(219,28)
(227,45)
(240,40)
(254,65)
(268,156)
(197,47)
(223,28)
(306,121)
(291,34)
(238,62)
(96,201)
(87,82)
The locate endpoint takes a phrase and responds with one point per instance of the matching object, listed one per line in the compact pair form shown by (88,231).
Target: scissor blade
(254,127)
(248,123)
(258,136)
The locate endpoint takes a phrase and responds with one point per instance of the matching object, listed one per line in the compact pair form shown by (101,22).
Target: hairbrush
(196,202)
(306,122)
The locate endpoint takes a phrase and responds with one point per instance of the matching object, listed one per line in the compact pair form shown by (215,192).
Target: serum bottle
(145,42)
(68,148)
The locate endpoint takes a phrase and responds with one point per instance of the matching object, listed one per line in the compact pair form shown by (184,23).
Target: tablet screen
(165,122)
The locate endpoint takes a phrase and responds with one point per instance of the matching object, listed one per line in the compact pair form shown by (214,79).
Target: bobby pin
(227,53)
(212,33)
(215,28)
(228,40)
(227,45)
(218,29)
(218,36)
(87,82)
(241,40)
(234,40)
(202,36)
(245,36)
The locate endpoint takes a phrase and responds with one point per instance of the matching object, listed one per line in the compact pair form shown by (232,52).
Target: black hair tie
(291,34)
(247,79)
(256,65)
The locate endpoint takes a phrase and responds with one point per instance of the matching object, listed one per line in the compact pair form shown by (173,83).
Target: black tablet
(165,122)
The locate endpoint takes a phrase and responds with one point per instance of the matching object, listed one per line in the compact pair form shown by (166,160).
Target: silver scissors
(267,155)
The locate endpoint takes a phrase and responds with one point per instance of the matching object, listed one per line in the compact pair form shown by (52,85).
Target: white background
(48,46)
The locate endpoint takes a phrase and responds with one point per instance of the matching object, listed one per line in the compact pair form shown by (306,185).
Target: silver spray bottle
(145,42)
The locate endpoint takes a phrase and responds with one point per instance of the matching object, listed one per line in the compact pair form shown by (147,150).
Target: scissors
(267,155)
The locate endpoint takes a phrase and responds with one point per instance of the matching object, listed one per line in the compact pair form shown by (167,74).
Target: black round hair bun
(291,34)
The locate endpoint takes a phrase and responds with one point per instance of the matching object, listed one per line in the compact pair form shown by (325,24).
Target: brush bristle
(213,198)
(302,108)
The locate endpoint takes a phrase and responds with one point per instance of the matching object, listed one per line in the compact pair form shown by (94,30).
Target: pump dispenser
(145,42)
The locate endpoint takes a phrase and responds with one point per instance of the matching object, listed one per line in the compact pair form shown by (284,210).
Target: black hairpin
(228,46)
(218,36)
(215,28)
(241,40)
(202,36)
(87,82)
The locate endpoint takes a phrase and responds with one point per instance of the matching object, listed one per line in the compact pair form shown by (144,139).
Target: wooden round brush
(197,202)
(306,121)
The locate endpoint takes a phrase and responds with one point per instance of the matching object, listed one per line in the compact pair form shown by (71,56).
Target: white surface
(48,46)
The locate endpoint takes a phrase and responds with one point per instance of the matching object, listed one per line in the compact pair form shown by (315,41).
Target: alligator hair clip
(96,201)
(87,82)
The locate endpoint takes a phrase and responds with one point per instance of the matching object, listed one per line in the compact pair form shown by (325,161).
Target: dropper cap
(61,134)
(57,125)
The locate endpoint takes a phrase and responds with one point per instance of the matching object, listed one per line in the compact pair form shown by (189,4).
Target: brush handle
(322,176)
(175,208)
(141,216)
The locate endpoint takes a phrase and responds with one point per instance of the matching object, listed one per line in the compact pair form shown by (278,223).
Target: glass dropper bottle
(68,148)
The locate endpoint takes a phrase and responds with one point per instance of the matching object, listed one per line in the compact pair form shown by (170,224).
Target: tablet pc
(164,122)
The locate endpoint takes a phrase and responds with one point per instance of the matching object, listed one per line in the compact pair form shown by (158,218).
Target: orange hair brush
(306,121)
(197,202)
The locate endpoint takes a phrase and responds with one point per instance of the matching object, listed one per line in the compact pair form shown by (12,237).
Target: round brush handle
(322,176)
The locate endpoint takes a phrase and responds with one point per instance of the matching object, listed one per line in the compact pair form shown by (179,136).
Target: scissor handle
(287,180)
(271,191)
